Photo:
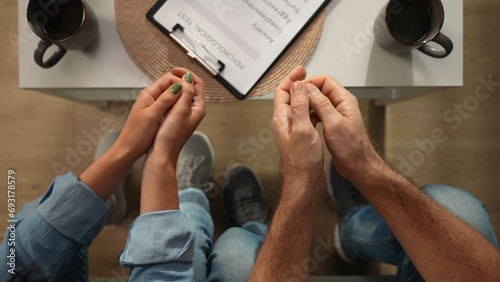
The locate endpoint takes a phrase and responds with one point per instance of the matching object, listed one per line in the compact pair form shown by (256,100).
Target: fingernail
(189,77)
(311,89)
(297,87)
(176,88)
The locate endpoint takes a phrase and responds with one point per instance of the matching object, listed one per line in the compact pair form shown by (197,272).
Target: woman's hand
(159,182)
(136,137)
(181,121)
(147,113)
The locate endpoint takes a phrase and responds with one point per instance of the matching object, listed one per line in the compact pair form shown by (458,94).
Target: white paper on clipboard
(247,36)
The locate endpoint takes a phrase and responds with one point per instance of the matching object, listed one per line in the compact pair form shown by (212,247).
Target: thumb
(167,99)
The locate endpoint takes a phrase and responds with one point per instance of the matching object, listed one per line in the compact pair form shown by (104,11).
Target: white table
(106,72)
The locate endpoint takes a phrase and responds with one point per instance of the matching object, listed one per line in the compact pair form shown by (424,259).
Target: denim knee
(237,248)
(464,206)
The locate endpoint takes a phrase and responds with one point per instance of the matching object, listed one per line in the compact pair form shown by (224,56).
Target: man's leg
(363,235)
(464,206)
(236,250)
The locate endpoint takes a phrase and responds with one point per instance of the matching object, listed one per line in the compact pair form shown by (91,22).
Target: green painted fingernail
(176,88)
(189,77)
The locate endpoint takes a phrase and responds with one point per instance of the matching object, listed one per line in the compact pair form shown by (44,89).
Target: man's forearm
(288,242)
(439,244)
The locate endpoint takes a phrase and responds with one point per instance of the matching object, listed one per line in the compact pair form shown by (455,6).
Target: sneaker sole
(336,240)
(338,245)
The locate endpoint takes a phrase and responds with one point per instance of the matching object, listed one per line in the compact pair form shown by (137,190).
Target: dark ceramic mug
(68,24)
(405,25)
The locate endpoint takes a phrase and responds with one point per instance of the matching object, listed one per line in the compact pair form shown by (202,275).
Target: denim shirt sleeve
(51,231)
(160,247)
(73,209)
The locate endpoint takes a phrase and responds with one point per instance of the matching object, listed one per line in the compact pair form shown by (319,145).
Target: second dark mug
(411,24)
(69,24)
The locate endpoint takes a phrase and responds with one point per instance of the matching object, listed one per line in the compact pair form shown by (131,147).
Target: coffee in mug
(68,24)
(411,24)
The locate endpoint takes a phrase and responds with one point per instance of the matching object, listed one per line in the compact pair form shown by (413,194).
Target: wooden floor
(38,130)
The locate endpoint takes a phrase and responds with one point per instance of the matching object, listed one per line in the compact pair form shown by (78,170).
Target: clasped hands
(167,112)
(164,116)
(299,104)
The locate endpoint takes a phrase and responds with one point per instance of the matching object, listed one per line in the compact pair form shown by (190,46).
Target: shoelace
(188,176)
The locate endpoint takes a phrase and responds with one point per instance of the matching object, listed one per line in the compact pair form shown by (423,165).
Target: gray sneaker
(195,163)
(243,196)
(117,201)
(346,198)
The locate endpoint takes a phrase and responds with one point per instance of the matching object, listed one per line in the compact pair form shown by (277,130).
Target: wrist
(363,166)
(120,155)
(369,174)
(159,185)
(302,185)
(162,155)
(160,162)
(125,151)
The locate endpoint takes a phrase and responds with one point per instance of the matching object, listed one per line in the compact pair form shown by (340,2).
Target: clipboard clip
(192,54)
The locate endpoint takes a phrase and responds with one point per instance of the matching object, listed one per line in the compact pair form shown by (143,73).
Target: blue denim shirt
(51,233)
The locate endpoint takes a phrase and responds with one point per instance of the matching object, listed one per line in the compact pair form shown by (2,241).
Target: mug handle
(40,50)
(442,40)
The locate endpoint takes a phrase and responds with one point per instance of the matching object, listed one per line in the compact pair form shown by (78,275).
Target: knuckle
(323,102)
(354,99)
(274,121)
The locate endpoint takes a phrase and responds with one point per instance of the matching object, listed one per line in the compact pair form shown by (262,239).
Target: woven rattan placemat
(154,51)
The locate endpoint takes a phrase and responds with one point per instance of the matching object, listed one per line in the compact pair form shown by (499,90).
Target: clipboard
(236,41)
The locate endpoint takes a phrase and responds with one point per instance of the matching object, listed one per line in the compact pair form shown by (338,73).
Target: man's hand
(299,142)
(286,249)
(343,129)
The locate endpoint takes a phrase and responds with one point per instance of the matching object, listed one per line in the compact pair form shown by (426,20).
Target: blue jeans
(60,247)
(53,234)
(365,236)
(233,255)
